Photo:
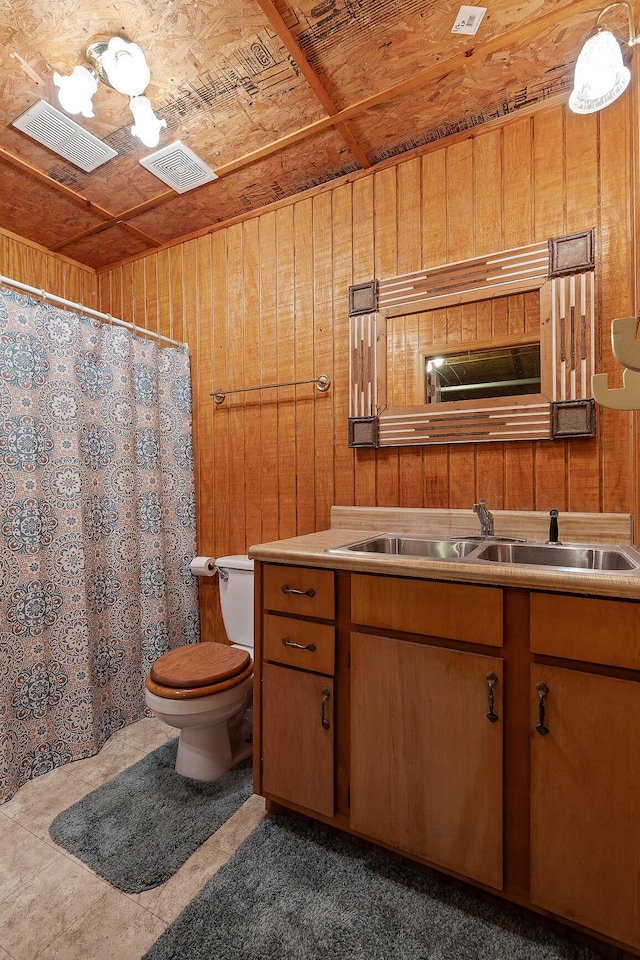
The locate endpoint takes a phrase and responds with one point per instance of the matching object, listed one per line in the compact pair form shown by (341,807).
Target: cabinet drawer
(317,641)
(301,590)
(431,608)
(586,628)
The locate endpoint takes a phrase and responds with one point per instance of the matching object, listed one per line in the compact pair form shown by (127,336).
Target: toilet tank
(236,599)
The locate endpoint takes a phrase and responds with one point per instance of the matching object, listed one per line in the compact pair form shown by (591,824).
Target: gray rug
(293,892)
(141,826)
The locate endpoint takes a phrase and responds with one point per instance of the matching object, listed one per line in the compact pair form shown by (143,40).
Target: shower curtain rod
(7,281)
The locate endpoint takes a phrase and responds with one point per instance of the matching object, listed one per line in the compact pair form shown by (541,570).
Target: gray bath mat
(293,892)
(141,826)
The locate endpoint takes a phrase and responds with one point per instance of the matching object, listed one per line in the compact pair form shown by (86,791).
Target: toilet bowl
(205,689)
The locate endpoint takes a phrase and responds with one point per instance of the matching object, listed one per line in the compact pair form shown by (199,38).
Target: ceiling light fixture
(121,65)
(600,74)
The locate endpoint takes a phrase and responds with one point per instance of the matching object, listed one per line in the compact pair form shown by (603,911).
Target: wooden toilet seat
(197,670)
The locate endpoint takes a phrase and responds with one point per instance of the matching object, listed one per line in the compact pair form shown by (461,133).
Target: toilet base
(205,753)
(215,729)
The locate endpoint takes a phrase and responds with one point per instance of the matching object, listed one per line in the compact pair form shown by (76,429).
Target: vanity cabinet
(298,739)
(585,763)
(426,723)
(491,731)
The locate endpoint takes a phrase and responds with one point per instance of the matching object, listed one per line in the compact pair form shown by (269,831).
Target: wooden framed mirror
(500,347)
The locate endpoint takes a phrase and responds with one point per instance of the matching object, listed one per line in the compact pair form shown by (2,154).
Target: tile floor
(52,906)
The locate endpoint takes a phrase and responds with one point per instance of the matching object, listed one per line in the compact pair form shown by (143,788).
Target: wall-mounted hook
(626,397)
(626,349)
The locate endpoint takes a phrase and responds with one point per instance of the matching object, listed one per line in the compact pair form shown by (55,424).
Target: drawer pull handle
(298,593)
(323,717)
(298,646)
(491,681)
(542,690)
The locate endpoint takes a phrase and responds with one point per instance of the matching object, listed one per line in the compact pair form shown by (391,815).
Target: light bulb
(76,91)
(147,126)
(600,75)
(125,67)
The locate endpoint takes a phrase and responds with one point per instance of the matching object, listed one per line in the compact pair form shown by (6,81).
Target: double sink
(499,550)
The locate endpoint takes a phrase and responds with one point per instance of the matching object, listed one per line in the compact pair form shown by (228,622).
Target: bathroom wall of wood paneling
(31,264)
(266,300)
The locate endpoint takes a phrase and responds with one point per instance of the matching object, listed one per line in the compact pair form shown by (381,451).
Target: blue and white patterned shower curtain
(97,528)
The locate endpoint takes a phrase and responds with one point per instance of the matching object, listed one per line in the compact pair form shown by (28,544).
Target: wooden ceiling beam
(271,13)
(77,198)
(121,218)
(434,73)
(145,237)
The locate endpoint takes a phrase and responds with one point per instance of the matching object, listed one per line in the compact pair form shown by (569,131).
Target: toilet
(205,689)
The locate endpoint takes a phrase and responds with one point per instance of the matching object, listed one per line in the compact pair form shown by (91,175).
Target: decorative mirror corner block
(574,253)
(363,431)
(363,298)
(573,418)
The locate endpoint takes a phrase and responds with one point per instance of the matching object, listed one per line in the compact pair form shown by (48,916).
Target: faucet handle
(553,527)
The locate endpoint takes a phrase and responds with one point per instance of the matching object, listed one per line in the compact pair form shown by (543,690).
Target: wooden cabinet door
(298,738)
(426,762)
(585,804)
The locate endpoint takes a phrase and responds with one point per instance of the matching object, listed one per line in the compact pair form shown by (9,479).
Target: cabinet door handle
(542,690)
(491,681)
(298,593)
(298,646)
(323,716)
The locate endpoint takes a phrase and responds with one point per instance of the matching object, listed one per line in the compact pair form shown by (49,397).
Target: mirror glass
(480,374)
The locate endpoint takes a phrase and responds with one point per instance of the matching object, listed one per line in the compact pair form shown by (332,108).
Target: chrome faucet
(485,518)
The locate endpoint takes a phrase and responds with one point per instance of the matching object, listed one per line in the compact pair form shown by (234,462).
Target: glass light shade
(147,126)
(125,67)
(600,75)
(76,90)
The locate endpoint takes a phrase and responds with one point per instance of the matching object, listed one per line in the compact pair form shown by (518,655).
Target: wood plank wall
(266,300)
(31,264)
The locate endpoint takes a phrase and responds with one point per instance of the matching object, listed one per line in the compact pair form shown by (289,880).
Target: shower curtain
(97,528)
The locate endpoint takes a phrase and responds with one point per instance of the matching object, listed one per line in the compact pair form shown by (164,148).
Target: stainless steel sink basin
(401,545)
(574,556)
(473,549)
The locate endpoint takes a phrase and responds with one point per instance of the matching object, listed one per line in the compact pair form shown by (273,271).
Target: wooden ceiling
(276,96)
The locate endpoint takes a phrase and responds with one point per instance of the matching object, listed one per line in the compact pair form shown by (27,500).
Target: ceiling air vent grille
(179,167)
(64,136)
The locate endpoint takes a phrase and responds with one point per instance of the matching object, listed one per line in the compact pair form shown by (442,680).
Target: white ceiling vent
(179,167)
(64,136)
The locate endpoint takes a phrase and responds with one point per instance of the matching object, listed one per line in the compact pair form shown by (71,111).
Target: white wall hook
(626,349)
(626,397)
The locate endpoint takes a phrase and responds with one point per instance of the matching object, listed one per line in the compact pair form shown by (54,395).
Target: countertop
(310,550)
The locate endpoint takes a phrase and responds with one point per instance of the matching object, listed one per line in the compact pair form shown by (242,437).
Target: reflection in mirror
(480,374)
